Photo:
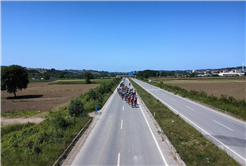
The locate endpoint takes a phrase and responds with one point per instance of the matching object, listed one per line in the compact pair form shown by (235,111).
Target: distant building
(230,73)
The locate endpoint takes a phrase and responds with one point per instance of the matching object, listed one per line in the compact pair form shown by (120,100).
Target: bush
(75,107)
(91,94)
(100,90)
(60,122)
(87,80)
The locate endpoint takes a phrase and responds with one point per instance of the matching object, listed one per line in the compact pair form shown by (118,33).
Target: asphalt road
(226,132)
(124,136)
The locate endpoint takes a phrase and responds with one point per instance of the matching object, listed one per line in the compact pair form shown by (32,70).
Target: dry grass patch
(41,96)
(230,86)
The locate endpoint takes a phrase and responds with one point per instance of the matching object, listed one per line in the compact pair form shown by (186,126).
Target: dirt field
(230,86)
(41,96)
(21,120)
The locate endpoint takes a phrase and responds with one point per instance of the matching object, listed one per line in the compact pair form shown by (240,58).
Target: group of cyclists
(127,94)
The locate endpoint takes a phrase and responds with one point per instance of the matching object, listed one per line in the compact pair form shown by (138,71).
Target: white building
(230,73)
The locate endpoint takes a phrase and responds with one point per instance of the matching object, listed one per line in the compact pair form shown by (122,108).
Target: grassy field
(192,146)
(41,96)
(230,86)
(41,144)
(40,81)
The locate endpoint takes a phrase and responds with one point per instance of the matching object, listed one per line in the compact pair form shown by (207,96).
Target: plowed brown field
(41,96)
(230,86)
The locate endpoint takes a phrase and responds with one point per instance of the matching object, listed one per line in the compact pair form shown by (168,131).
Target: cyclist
(129,98)
(132,100)
(126,95)
(122,95)
(135,101)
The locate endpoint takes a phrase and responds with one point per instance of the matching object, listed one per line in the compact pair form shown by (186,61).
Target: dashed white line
(189,108)
(123,108)
(121,124)
(195,125)
(118,162)
(173,99)
(154,138)
(223,125)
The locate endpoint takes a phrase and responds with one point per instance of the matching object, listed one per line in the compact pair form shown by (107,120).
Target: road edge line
(201,130)
(204,105)
(163,158)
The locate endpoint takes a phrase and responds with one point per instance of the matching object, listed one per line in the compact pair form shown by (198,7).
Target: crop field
(42,96)
(79,81)
(230,86)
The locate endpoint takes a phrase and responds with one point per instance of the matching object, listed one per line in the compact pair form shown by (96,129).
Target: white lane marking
(154,138)
(123,108)
(225,115)
(118,162)
(109,100)
(121,124)
(189,108)
(223,125)
(173,99)
(196,125)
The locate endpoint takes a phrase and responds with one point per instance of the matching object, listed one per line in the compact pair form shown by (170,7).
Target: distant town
(238,71)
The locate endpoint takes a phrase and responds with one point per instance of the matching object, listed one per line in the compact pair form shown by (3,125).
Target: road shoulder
(166,147)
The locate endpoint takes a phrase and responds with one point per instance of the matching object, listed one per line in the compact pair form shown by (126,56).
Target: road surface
(124,136)
(226,132)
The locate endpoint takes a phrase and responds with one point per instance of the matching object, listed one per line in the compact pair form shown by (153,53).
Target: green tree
(14,77)
(92,95)
(88,76)
(60,75)
(46,76)
(192,75)
(75,107)
(146,75)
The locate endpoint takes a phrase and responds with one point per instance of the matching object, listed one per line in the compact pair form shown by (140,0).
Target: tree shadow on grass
(25,97)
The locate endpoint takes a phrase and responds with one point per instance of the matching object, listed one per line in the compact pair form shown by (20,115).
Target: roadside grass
(41,144)
(21,113)
(192,146)
(226,104)
(6,129)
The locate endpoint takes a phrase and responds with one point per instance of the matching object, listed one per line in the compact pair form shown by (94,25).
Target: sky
(123,36)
